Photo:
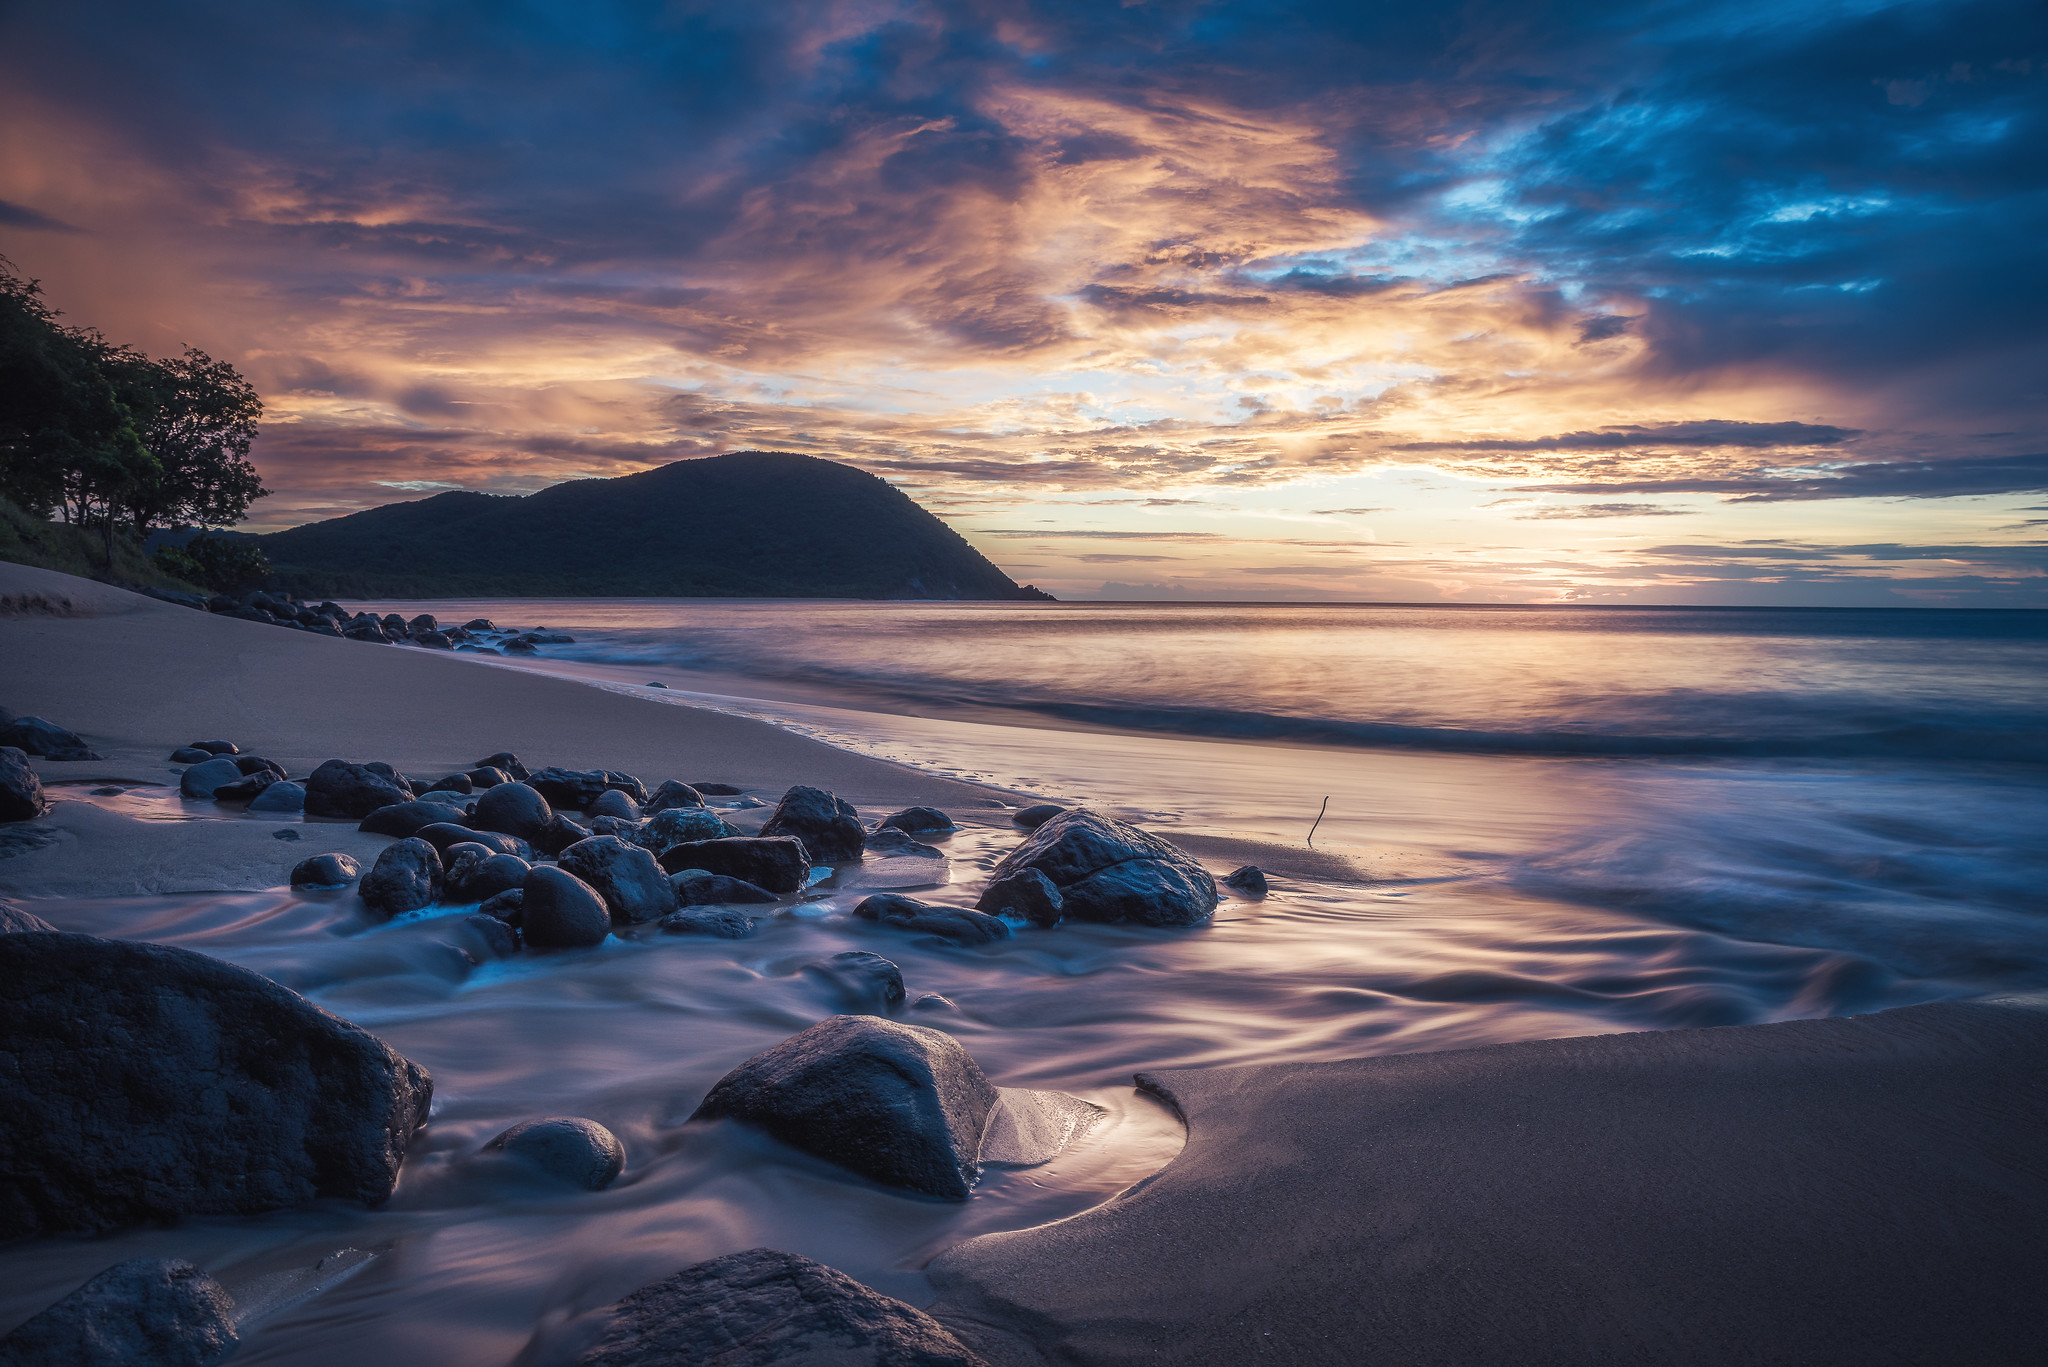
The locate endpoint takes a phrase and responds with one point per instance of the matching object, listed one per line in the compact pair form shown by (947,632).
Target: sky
(1619,302)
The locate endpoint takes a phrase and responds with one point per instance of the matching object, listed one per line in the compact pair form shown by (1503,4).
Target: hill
(754,524)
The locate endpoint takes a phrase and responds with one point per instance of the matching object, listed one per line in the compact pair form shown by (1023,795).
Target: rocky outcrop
(148,1312)
(1107,870)
(828,826)
(406,877)
(21,792)
(338,788)
(950,923)
(781,864)
(632,884)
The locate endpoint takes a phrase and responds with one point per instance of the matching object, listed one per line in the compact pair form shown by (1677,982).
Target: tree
(198,417)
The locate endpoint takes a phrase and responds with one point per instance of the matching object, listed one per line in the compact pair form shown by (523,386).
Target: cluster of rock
(331,619)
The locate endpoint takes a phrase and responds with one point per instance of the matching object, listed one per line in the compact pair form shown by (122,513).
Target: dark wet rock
(284,833)
(900,1104)
(256,764)
(245,789)
(696,888)
(505,762)
(561,911)
(190,754)
(951,923)
(747,804)
(406,877)
(1107,870)
(338,788)
(393,621)
(393,777)
(494,937)
(917,819)
(716,789)
(932,1001)
(34,736)
(325,871)
(779,864)
(508,906)
(479,624)
(898,843)
(1031,818)
(476,873)
(576,788)
(612,802)
(201,781)
(828,826)
(628,831)
(866,982)
(570,1149)
(1024,893)
(367,631)
(724,923)
(280,797)
(443,835)
(426,621)
(432,640)
(559,834)
(678,826)
(764,1307)
(657,684)
(13,920)
(171,1084)
(632,884)
(452,783)
(461,802)
(515,809)
(1248,881)
(217,747)
(671,794)
(486,777)
(147,1312)
(405,818)
(515,646)
(21,791)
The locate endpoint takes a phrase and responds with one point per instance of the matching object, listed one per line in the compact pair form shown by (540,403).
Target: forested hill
(754,524)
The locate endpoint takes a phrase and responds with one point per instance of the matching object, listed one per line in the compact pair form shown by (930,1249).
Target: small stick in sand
(1318,821)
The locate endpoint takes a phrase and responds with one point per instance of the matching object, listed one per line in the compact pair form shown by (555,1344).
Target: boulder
(190,754)
(778,864)
(1248,881)
(576,788)
(612,802)
(559,834)
(486,777)
(680,826)
(256,764)
(147,1312)
(402,819)
(762,1307)
(445,835)
(201,781)
(432,640)
(928,820)
(627,831)
(723,923)
(479,624)
(895,842)
(34,736)
(716,789)
(367,631)
(497,939)
(325,871)
(829,827)
(280,797)
(424,622)
(696,888)
(406,877)
(217,747)
(13,920)
(508,906)
(671,794)
(1024,893)
(506,763)
(951,923)
(570,1149)
(513,808)
(632,884)
(1106,870)
(452,783)
(21,791)
(899,1104)
(865,982)
(170,1084)
(561,911)
(476,873)
(1031,818)
(338,788)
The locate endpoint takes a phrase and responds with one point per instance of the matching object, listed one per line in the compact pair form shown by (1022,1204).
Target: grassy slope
(28,540)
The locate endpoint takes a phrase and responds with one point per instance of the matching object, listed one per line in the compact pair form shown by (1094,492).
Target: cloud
(1585,510)
(1348,512)
(1120,559)
(1952,477)
(1707,433)
(21,216)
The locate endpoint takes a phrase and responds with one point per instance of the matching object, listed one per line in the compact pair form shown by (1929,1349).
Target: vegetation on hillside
(29,540)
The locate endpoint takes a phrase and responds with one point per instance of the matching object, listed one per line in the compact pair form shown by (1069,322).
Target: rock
(406,877)
(515,646)
(432,640)
(325,871)
(1031,818)
(576,788)
(762,1307)
(932,1001)
(722,922)
(627,831)
(190,754)
(632,884)
(476,873)
(217,747)
(21,791)
(747,804)
(147,1312)
(256,764)
(679,826)
(657,684)
(900,1104)
(280,797)
(917,819)
(284,833)
(559,834)
(479,624)
(13,920)
(505,762)
(338,788)
(952,923)
(779,864)
(495,937)
(444,835)
(866,982)
(1024,893)
(508,906)
(169,1084)
(571,1149)
(1249,881)
(716,789)
(515,809)
(201,781)
(895,842)
(453,783)
(561,911)
(486,777)
(404,818)
(671,794)
(34,736)
(696,888)
(367,631)
(612,802)
(424,622)
(830,828)
(1106,870)
(460,801)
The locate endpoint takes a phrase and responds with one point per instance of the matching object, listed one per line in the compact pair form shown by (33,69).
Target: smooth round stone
(280,797)
(326,871)
(190,754)
(580,1152)
(561,911)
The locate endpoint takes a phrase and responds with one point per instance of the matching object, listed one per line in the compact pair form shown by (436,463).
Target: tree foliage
(105,436)
(216,562)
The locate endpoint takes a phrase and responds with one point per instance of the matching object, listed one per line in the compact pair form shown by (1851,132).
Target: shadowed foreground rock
(21,790)
(568,1148)
(1108,870)
(900,1104)
(760,1307)
(1832,1193)
(148,1312)
(15,921)
(781,865)
(829,826)
(146,1083)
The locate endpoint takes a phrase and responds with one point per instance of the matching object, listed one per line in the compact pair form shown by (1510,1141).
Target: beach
(1443,914)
